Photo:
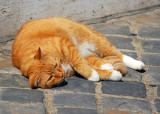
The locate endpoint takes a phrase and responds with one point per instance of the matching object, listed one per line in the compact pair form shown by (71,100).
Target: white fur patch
(107,66)
(115,76)
(94,76)
(132,63)
(87,49)
(66,68)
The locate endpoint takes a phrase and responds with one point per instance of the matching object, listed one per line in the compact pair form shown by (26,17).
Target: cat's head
(45,71)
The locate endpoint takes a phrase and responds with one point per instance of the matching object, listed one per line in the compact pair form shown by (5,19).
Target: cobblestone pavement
(138,92)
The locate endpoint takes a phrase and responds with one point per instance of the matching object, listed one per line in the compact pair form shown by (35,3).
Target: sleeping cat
(49,50)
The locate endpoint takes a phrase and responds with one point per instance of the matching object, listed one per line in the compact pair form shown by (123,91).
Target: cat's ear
(33,81)
(39,54)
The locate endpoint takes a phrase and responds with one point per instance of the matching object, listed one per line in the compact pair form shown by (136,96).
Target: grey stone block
(135,105)
(74,99)
(76,84)
(154,73)
(76,111)
(112,29)
(157,104)
(6,52)
(6,66)
(131,54)
(149,32)
(151,46)
(10,69)
(133,75)
(13,80)
(122,43)
(151,59)
(134,89)
(21,95)
(15,108)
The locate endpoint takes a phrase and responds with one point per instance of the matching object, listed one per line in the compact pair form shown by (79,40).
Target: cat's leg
(99,62)
(80,65)
(117,63)
(106,49)
(105,68)
(78,62)
(107,63)
(126,60)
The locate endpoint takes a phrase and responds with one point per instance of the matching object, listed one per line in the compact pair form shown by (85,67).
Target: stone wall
(14,13)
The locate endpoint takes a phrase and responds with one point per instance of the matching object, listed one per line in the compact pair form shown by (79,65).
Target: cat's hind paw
(94,76)
(115,76)
(132,63)
(139,65)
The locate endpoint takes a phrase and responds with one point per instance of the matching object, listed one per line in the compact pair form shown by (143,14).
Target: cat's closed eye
(50,77)
(55,66)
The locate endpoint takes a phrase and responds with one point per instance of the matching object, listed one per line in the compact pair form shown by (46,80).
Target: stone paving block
(131,54)
(151,59)
(135,105)
(21,95)
(149,32)
(74,99)
(10,69)
(151,46)
(154,73)
(112,29)
(157,104)
(121,43)
(6,52)
(13,80)
(76,111)
(134,89)
(6,66)
(133,75)
(15,108)
(76,84)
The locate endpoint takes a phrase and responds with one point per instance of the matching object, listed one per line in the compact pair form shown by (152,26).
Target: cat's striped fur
(47,50)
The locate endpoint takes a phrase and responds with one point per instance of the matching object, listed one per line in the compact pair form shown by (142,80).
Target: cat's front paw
(94,76)
(107,66)
(115,76)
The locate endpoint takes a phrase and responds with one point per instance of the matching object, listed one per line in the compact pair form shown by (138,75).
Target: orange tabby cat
(48,50)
